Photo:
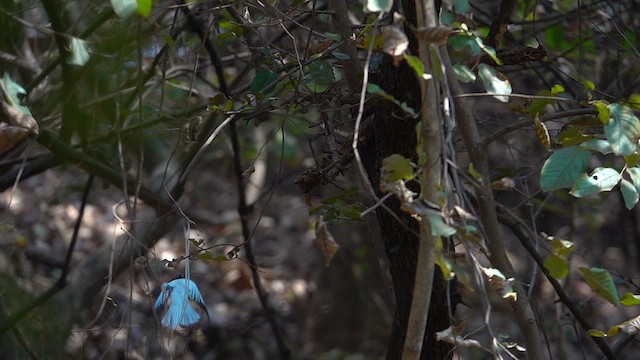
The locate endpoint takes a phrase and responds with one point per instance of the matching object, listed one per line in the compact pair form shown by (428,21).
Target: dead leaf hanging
(325,241)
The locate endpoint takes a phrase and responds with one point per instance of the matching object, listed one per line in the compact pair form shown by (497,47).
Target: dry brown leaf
(435,35)
(447,335)
(542,133)
(325,241)
(10,136)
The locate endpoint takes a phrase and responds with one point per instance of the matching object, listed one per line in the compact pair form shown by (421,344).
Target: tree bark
(394,132)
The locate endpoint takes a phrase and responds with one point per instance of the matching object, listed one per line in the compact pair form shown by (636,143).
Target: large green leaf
(494,82)
(622,130)
(602,283)
(601,179)
(563,167)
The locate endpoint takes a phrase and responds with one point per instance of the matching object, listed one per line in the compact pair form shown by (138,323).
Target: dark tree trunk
(394,132)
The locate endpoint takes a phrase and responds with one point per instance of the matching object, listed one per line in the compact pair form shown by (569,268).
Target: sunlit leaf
(596,333)
(416,65)
(630,299)
(396,167)
(601,179)
(377,5)
(601,282)
(124,8)
(463,73)
(634,174)
(563,167)
(557,89)
(629,194)
(599,145)
(560,246)
(589,85)
(438,226)
(79,52)
(603,111)
(494,82)
(630,327)
(622,130)
(500,283)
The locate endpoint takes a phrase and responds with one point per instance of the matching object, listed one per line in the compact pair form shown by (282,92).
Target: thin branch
(522,308)
(526,236)
(244,212)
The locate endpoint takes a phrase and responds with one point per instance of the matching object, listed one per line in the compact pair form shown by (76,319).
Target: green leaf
(557,89)
(463,73)
(599,145)
(622,130)
(630,299)
(377,5)
(320,76)
(561,247)
(460,41)
(12,92)
(207,255)
(603,111)
(558,266)
(494,83)
(263,78)
(602,283)
(415,64)
(79,52)
(629,194)
(124,8)
(396,167)
(144,7)
(596,333)
(634,174)
(601,179)
(563,167)
(589,85)
(377,90)
(438,226)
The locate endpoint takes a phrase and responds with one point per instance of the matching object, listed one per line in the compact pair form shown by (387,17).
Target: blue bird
(178,295)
